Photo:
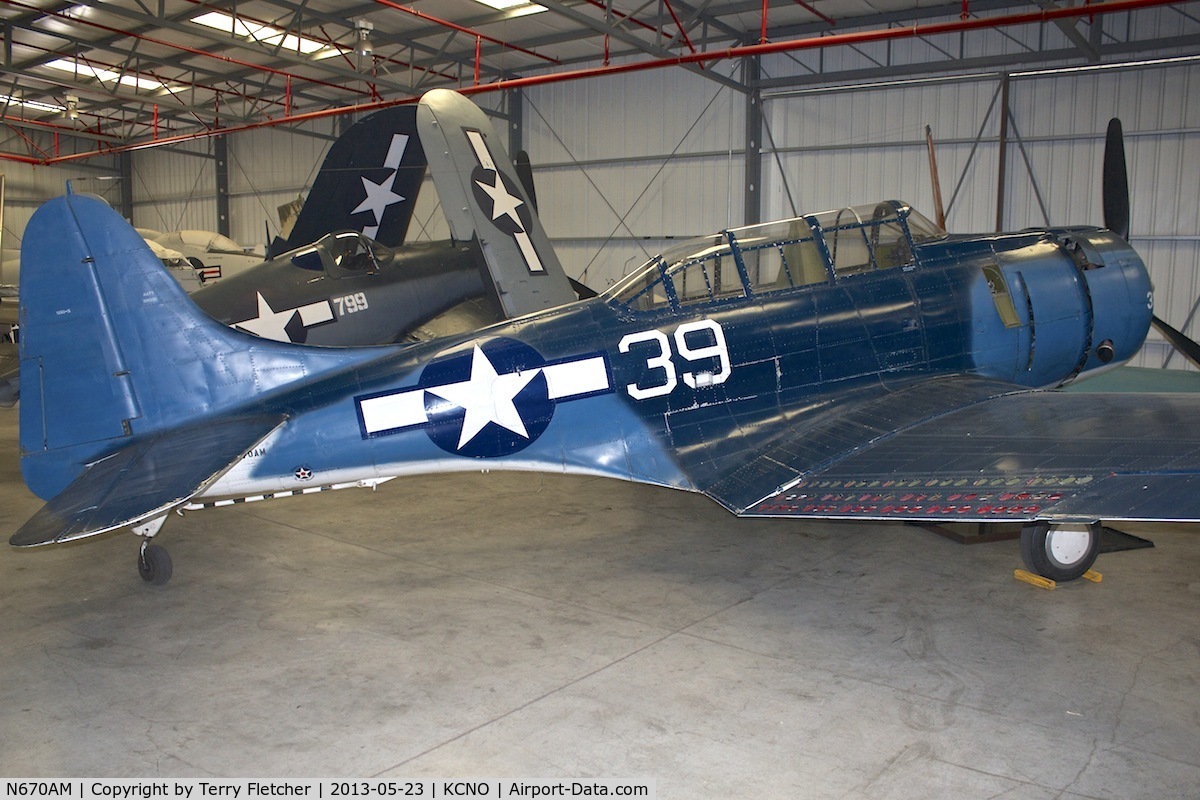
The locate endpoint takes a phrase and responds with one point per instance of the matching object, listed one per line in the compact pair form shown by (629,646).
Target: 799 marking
(351,303)
(659,363)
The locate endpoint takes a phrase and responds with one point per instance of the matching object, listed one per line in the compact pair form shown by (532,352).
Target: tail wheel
(1060,552)
(154,564)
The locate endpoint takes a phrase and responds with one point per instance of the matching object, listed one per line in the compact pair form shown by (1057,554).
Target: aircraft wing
(969,450)
(145,479)
(482,197)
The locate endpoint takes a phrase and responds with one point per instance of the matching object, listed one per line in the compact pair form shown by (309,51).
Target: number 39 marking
(659,359)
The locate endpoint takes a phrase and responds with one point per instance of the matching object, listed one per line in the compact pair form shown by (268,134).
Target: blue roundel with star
(496,194)
(484,399)
(492,400)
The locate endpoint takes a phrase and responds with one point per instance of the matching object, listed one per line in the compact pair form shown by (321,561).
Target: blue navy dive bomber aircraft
(853,364)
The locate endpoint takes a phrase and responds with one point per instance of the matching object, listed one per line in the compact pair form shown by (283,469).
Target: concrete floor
(539,627)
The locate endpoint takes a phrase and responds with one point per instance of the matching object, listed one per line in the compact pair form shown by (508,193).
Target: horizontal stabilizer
(145,479)
(113,351)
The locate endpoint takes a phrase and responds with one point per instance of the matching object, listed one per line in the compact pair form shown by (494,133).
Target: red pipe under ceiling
(746,51)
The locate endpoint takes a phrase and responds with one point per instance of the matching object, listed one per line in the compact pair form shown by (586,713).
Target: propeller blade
(525,174)
(1187,347)
(1115,181)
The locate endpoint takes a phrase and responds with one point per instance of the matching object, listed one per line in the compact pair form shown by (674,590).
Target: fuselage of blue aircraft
(857,364)
(700,354)
(712,342)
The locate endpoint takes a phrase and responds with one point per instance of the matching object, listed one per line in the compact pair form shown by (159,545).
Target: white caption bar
(241,789)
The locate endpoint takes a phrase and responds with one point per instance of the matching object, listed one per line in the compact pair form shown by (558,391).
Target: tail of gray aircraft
(483,199)
(368,182)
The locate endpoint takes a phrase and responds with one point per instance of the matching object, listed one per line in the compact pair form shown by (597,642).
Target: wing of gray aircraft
(483,198)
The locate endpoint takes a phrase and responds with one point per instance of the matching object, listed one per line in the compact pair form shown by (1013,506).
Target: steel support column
(752,212)
(514,101)
(221,154)
(1002,152)
(125,170)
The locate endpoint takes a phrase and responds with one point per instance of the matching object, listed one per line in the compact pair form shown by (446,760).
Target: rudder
(112,348)
(368,182)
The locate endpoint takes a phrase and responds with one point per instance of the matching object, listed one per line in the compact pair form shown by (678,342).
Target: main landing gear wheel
(1060,552)
(154,564)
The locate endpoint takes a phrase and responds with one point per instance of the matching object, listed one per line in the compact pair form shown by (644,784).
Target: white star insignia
(379,197)
(269,324)
(487,397)
(503,203)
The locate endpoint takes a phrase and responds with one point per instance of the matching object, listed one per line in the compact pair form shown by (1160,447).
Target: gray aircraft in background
(347,289)
(347,278)
(344,276)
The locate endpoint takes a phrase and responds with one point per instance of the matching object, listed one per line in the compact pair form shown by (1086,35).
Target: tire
(154,565)
(1060,552)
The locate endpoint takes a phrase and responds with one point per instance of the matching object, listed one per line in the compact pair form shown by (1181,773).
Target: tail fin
(368,182)
(482,197)
(112,348)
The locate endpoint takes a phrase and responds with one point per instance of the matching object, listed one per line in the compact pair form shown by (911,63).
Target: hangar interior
(538,626)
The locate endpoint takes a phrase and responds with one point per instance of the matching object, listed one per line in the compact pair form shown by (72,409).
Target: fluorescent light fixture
(265,34)
(883,84)
(1149,62)
(7,99)
(132,79)
(521,7)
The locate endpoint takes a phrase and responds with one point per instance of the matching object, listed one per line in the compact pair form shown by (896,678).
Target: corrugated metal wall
(623,164)
(27,187)
(268,169)
(174,188)
(855,146)
(833,149)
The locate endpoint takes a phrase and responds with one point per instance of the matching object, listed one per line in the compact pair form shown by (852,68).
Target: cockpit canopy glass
(921,227)
(866,238)
(777,256)
(341,252)
(697,270)
(780,255)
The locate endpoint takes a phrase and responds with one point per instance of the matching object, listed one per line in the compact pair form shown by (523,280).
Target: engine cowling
(1121,295)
